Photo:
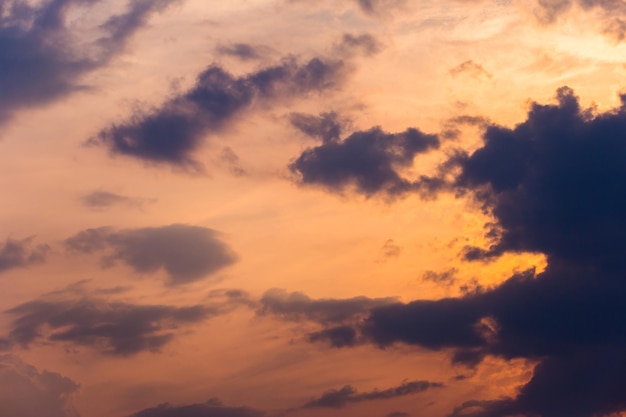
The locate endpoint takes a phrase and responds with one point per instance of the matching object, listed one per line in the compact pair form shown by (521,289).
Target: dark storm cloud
(21,253)
(297,306)
(554,184)
(101,199)
(111,327)
(368,161)
(172,132)
(186,253)
(40,57)
(326,126)
(26,391)
(347,395)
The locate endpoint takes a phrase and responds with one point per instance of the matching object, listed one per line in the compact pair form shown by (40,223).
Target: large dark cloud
(554,184)
(172,132)
(370,162)
(25,391)
(21,253)
(41,57)
(186,253)
(347,395)
(112,327)
(212,408)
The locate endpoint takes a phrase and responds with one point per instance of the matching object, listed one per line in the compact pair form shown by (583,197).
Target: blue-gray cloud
(186,253)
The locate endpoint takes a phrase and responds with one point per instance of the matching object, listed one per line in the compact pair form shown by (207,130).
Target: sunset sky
(294,208)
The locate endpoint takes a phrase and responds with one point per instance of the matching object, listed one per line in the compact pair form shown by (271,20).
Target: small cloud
(445,278)
(21,254)
(364,44)
(471,69)
(346,395)
(186,253)
(327,126)
(100,199)
(243,51)
(391,249)
(229,158)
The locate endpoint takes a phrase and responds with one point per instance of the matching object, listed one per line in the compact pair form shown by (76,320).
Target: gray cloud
(347,395)
(172,133)
(112,327)
(101,199)
(243,51)
(21,253)
(471,69)
(297,306)
(362,44)
(391,249)
(327,126)
(447,277)
(28,392)
(41,59)
(186,253)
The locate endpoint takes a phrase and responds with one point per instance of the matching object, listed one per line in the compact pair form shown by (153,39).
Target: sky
(286,208)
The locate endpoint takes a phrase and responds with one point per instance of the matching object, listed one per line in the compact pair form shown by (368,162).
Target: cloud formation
(370,162)
(40,57)
(186,253)
(26,391)
(21,253)
(347,395)
(554,184)
(111,327)
(171,133)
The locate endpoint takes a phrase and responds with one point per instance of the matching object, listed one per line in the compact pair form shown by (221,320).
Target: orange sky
(432,61)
